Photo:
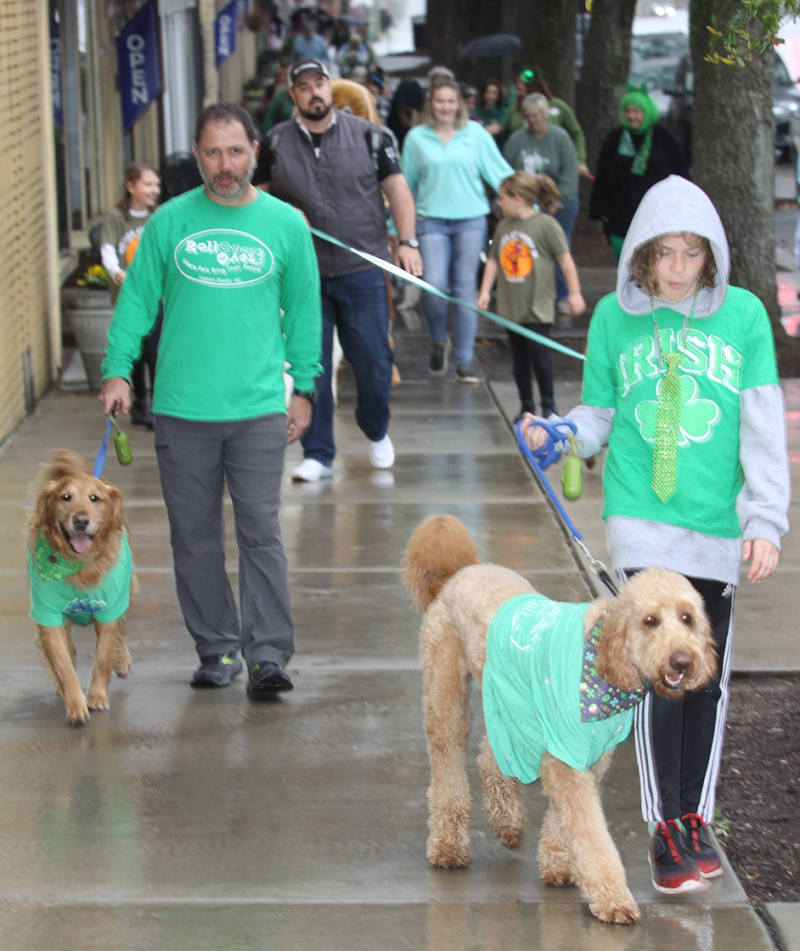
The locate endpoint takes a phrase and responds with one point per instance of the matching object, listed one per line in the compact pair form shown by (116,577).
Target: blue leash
(540,459)
(102,452)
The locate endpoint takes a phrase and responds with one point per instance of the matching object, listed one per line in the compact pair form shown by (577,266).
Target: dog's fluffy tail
(440,546)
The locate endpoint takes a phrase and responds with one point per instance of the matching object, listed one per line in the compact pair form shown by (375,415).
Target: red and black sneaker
(671,865)
(699,846)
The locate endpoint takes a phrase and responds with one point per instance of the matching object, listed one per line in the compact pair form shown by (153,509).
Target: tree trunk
(733,154)
(606,64)
(451,25)
(547,31)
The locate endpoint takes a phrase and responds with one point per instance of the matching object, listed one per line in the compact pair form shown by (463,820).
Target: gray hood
(672,206)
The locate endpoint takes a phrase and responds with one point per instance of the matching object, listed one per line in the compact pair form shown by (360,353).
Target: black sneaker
(465,373)
(672,867)
(699,846)
(217,670)
(437,365)
(266,680)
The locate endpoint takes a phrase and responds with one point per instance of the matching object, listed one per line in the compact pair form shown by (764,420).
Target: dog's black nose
(80,523)
(679,661)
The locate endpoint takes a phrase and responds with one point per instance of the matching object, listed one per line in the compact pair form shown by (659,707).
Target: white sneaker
(310,470)
(381,453)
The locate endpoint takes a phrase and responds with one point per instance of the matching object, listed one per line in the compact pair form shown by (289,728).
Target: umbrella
(498,44)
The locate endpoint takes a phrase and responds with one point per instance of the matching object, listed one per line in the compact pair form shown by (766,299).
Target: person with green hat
(634,157)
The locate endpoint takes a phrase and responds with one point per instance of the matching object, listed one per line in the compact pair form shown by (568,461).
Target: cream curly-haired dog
(654,633)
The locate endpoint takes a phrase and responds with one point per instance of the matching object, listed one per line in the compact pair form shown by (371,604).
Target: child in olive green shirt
(525,248)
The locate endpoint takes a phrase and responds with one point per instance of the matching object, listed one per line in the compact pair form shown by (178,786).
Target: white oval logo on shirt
(224,258)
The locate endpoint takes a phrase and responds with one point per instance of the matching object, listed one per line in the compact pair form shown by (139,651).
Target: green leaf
(740,61)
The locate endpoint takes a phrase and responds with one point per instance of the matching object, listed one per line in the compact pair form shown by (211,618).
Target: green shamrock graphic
(698,416)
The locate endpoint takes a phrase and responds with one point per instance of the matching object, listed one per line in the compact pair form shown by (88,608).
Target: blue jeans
(357,305)
(566,218)
(451,253)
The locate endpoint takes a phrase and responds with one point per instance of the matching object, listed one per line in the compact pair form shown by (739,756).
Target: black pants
(147,359)
(526,354)
(679,742)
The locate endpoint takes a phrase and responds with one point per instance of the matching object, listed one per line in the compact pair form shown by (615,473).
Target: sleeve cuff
(761,528)
(116,369)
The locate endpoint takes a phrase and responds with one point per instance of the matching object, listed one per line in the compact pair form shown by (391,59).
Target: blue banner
(137,59)
(226,26)
(55,75)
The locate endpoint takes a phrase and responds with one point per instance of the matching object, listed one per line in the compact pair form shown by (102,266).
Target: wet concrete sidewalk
(198,820)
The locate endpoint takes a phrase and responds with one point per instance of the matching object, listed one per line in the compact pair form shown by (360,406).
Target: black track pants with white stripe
(679,742)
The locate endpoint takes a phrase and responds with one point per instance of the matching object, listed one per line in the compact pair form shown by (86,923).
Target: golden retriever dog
(655,631)
(80,570)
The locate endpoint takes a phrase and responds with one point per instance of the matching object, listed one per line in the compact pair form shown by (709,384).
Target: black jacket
(617,192)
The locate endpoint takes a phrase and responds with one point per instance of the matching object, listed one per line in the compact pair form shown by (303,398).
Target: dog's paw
(446,853)
(510,837)
(558,878)
(555,865)
(98,700)
(619,910)
(77,710)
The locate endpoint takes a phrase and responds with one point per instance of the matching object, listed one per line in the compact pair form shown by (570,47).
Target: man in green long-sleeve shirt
(238,275)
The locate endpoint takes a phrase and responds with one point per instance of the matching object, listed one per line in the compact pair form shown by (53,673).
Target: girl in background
(122,230)
(525,249)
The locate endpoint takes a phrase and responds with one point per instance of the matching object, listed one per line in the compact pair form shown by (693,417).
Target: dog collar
(599,699)
(51,565)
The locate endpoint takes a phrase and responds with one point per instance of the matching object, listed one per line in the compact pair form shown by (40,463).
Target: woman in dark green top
(492,109)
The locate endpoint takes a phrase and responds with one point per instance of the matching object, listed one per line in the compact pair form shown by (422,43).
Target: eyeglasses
(527,76)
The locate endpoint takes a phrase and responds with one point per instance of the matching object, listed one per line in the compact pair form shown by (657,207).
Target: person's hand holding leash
(765,558)
(115,395)
(409,259)
(534,436)
(298,417)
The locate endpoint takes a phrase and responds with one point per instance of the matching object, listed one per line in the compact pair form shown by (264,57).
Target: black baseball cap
(307,66)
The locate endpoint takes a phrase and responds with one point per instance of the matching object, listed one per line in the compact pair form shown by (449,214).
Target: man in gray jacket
(333,166)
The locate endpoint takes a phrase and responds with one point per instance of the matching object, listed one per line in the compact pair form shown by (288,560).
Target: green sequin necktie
(668,415)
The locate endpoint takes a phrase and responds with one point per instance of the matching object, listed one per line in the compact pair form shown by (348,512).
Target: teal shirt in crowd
(448,180)
(531,689)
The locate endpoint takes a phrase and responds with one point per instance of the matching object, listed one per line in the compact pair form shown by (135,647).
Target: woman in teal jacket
(446,161)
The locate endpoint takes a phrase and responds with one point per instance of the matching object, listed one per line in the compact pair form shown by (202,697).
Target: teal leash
(405,276)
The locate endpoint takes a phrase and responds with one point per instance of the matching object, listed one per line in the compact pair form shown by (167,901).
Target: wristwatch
(310,395)
(410,243)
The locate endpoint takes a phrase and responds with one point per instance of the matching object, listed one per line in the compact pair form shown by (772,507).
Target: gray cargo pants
(192,459)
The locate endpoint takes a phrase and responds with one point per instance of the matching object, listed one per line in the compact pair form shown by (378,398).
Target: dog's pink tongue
(79,542)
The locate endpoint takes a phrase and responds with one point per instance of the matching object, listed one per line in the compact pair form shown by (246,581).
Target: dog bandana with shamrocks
(55,598)
(599,699)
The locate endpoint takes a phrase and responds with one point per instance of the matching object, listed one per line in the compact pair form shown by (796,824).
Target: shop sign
(226,26)
(137,61)
(55,75)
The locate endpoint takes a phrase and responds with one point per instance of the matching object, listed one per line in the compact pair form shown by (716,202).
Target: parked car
(649,46)
(785,109)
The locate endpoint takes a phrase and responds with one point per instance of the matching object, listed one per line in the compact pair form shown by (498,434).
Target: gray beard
(241,184)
